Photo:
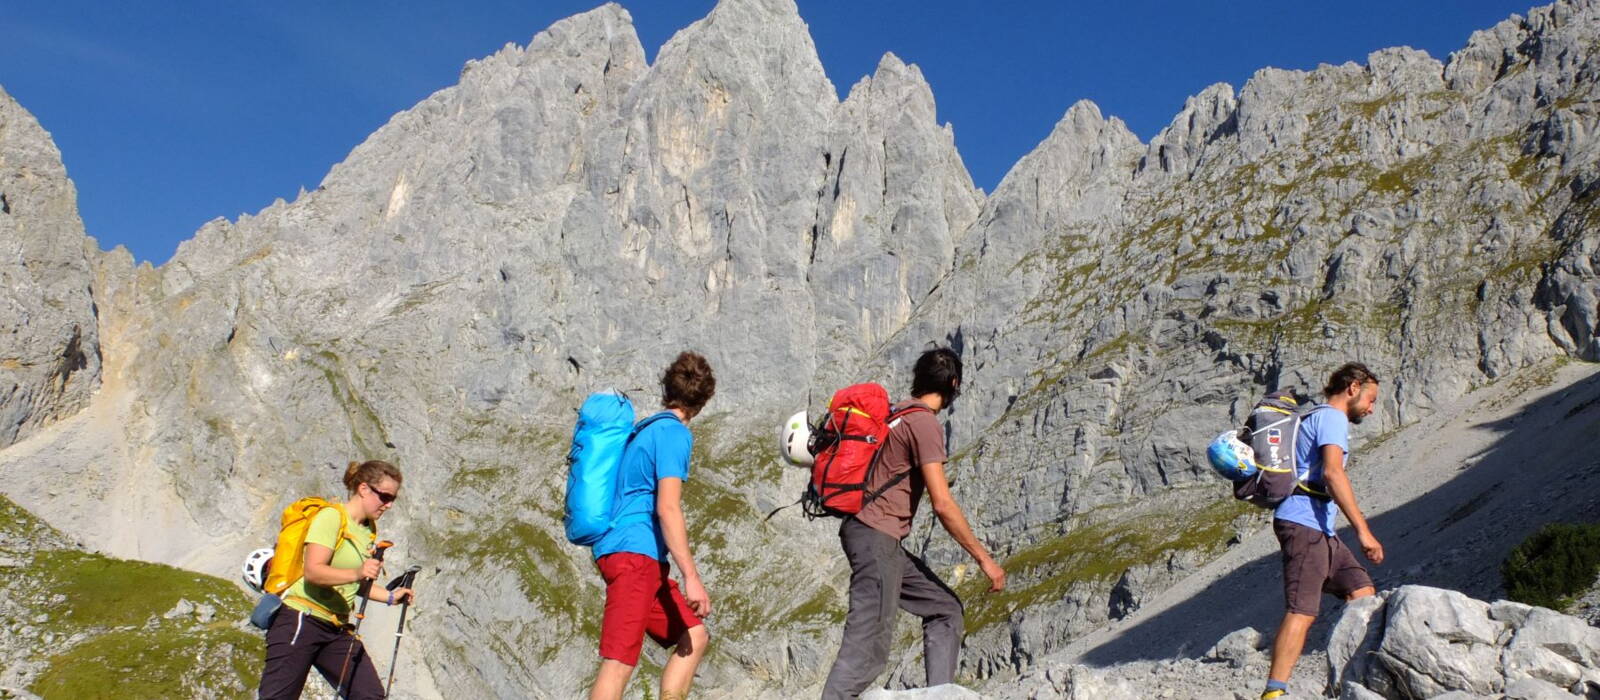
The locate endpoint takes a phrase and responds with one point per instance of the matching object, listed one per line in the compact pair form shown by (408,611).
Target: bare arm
(1338,485)
(669,510)
(379,594)
(955,523)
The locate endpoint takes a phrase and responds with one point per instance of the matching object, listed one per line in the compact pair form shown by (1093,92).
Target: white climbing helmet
(793,438)
(255,568)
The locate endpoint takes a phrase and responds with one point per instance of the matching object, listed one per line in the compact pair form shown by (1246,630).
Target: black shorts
(1313,564)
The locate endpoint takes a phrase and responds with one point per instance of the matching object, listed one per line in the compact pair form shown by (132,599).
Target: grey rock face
(938,692)
(1173,678)
(1118,304)
(1239,647)
(1587,606)
(49,336)
(1351,642)
(1433,641)
(1422,642)
(568,217)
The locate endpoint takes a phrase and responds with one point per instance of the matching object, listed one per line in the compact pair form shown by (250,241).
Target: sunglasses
(383,496)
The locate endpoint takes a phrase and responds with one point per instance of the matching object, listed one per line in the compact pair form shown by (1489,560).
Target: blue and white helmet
(793,439)
(255,568)
(1231,457)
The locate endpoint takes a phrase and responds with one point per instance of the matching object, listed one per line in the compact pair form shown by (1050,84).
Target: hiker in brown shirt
(884,576)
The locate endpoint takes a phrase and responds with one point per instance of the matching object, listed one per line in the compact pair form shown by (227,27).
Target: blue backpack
(604,430)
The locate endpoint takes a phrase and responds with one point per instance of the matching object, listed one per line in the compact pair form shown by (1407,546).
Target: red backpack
(846,443)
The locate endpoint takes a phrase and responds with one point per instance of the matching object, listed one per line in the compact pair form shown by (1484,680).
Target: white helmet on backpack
(255,568)
(793,438)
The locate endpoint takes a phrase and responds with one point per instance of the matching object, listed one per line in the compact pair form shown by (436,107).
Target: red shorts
(640,599)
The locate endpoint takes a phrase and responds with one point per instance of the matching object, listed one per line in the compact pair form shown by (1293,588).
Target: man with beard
(1315,560)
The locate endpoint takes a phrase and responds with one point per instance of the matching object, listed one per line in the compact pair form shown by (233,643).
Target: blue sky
(169,114)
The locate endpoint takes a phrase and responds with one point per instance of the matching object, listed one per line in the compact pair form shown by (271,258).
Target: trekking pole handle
(365,588)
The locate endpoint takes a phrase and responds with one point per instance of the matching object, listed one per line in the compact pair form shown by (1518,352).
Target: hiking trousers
(885,578)
(297,641)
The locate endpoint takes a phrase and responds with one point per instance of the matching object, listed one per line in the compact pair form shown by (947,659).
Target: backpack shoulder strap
(893,421)
(1310,408)
(897,414)
(344,527)
(1303,482)
(647,422)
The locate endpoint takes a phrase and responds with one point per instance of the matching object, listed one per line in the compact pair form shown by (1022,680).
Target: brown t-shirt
(916,440)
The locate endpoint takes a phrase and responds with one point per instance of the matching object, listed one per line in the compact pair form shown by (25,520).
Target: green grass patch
(825,607)
(1409,174)
(127,649)
(1553,565)
(106,592)
(1115,346)
(482,479)
(1098,551)
(544,569)
(171,661)
(17,522)
(749,462)
(1369,109)
(524,439)
(1300,323)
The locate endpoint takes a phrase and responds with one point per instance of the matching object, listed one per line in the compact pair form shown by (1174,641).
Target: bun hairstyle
(370,473)
(688,383)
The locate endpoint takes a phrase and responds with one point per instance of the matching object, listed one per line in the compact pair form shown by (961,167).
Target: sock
(1276,685)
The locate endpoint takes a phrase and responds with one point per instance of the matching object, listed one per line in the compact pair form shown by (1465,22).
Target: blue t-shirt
(658,452)
(1324,426)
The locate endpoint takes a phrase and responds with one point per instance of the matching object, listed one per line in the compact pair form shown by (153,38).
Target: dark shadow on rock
(1541,469)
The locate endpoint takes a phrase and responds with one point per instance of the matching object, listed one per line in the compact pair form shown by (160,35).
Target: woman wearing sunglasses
(313,626)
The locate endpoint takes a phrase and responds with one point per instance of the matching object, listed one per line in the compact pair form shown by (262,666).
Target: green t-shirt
(339,600)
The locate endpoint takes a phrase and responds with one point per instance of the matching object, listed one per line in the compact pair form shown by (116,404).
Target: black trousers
(297,641)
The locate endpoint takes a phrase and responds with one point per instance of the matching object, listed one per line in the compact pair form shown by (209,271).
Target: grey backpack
(1271,432)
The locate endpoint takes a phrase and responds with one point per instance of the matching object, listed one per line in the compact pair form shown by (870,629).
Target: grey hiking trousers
(884,578)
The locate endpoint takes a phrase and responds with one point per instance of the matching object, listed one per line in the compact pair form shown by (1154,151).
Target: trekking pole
(361,614)
(404,580)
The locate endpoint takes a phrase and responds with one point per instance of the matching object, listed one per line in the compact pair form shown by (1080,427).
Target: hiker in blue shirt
(1315,560)
(642,599)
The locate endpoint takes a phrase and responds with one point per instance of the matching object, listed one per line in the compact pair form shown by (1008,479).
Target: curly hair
(688,383)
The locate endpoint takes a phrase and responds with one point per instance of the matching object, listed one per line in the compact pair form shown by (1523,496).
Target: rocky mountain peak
(50,360)
(567,218)
(1205,117)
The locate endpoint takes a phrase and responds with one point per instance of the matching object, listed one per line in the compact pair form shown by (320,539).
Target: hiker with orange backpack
(904,453)
(319,581)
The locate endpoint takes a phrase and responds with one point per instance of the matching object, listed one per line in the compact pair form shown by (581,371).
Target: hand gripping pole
(362,590)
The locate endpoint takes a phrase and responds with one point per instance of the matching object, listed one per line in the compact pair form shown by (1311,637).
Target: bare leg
(611,680)
(1362,592)
(678,674)
(1286,649)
